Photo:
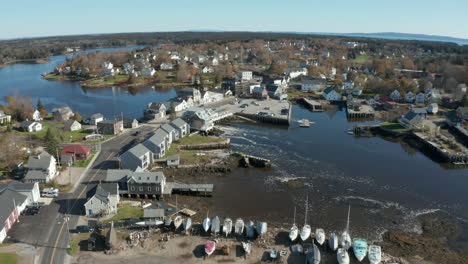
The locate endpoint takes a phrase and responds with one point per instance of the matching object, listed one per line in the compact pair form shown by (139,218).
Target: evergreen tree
(41,108)
(51,141)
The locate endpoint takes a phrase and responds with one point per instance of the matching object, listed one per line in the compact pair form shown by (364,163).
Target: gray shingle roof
(140,177)
(7,205)
(41,161)
(179,122)
(69,123)
(139,150)
(103,191)
(35,175)
(17,186)
(167,128)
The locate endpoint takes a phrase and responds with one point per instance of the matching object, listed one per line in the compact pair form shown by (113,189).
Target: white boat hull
(342,256)
(320,236)
(305,232)
(206,224)
(293,233)
(227,227)
(346,241)
(239,227)
(375,254)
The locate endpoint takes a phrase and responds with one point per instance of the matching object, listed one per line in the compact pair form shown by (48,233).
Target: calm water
(387,183)
(25,79)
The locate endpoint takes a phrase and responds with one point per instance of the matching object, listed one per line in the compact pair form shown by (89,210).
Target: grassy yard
(68,136)
(108,80)
(294,93)
(75,243)
(394,126)
(191,157)
(83,163)
(126,211)
(8,258)
(362,59)
(198,139)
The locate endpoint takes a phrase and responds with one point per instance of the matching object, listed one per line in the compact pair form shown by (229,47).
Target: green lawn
(8,258)
(394,126)
(294,93)
(198,139)
(75,243)
(68,136)
(108,80)
(362,59)
(126,211)
(83,163)
(191,157)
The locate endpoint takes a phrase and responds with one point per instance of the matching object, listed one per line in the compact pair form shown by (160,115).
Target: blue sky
(29,18)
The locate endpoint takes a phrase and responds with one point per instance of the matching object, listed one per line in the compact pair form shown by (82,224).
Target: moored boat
(360,248)
(333,241)
(320,236)
(375,254)
(210,247)
(250,229)
(215,225)
(346,241)
(227,227)
(239,226)
(313,255)
(342,256)
(294,231)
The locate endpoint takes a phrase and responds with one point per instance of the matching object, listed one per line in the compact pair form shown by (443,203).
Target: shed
(173,161)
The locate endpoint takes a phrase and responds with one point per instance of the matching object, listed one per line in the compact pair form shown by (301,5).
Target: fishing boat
(150,223)
(313,255)
(215,225)
(168,221)
(188,223)
(294,231)
(250,229)
(375,254)
(239,226)
(304,123)
(305,231)
(320,236)
(360,248)
(227,227)
(345,237)
(206,223)
(178,221)
(342,256)
(273,254)
(333,241)
(350,131)
(210,247)
(247,247)
(261,228)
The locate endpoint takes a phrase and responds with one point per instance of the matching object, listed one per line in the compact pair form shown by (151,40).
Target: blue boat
(360,248)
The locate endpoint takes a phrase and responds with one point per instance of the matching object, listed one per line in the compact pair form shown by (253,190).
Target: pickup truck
(50,192)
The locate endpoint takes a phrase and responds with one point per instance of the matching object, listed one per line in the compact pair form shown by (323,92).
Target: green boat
(360,248)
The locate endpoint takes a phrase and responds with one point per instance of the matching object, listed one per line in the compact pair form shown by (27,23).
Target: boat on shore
(273,254)
(313,255)
(239,226)
(342,256)
(375,254)
(178,221)
(168,221)
(360,248)
(149,223)
(305,231)
(247,247)
(215,225)
(346,241)
(261,228)
(333,241)
(187,223)
(294,231)
(250,229)
(227,227)
(206,223)
(210,247)
(320,236)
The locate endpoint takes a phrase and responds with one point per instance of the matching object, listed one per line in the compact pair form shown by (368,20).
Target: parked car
(50,192)
(136,133)
(244,106)
(84,229)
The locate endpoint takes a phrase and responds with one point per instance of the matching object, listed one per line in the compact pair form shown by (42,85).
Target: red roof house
(72,153)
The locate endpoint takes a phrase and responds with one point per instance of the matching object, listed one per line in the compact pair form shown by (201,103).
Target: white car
(50,192)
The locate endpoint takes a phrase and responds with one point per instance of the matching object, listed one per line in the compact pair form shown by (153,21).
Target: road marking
(63,224)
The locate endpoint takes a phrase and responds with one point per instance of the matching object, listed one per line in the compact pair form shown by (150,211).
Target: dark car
(136,133)
(84,229)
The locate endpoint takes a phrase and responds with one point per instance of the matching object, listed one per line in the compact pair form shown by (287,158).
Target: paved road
(48,229)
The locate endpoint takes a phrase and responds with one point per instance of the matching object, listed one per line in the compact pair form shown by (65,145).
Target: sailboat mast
(294,221)
(347,222)
(305,218)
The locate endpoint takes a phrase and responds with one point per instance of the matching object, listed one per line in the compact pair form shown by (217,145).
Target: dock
(313,105)
(188,189)
(359,111)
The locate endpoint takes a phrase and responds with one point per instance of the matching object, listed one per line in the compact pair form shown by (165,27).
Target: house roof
(75,149)
(168,128)
(7,205)
(97,115)
(109,122)
(140,177)
(41,161)
(328,90)
(26,123)
(179,122)
(102,191)
(138,150)
(69,123)
(17,186)
(36,175)
(151,212)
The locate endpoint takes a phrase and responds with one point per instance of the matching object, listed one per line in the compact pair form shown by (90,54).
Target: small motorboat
(261,228)
(304,123)
(178,221)
(273,254)
(346,240)
(375,254)
(188,223)
(297,248)
(227,227)
(360,248)
(239,227)
(206,224)
(247,247)
(210,247)
(333,241)
(320,236)
(250,229)
(313,255)
(350,131)
(342,256)
(215,225)
(168,221)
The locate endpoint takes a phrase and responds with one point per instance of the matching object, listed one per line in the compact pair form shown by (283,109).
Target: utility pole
(58,158)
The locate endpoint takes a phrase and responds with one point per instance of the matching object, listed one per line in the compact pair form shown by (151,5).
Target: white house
(71,125)
(433,108)
(31,126)
(433,95)
(244,75)
(96,118)
(296,73)
(102,200)
(395,95)
(41,168)
(331,95)
(166,66)
(212,97)
(36,116)
(420,98)
(409,97)
(147,72)
(207,69)
(4,118)
(107,65)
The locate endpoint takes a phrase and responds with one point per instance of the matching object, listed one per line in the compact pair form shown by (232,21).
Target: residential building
(110,127)
(414,119)
(102,200)
(420,98)
(331,95)
(395,95)
(155,111)
(173,161)
(131,183)
(210,97)
(409,97)
(71,125)
(36,116)
(207,69)
(95,119)
(173,134)
(201,119)
(63,113)
(294,73)
(147,72)
(356,91)
(4,118)
(31,126)
(433,108)
(433,95)
(130,122)
(30,190)
(194,94)
(260,92)
(107,65)
(244,75)
(11,205)
(166,66)
(72,153)
(138,157)
(41,168)
(182,127)
(274,91)
(313,84)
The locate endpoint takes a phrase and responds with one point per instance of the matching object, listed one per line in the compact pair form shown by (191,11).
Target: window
(149,189)
(132,188)
(141,189)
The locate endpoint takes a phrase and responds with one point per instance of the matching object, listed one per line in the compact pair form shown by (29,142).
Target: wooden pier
(189,189)
(313,105)
(361,111)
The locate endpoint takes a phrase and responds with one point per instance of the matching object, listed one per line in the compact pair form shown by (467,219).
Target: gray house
(137,158)
(157,143)
(181,126)
(71,125)
(41,168)
(172,133)
(143,184)
(102,200)
(30,190)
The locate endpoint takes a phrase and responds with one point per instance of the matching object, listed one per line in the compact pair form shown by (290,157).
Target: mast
(347,222)
(305,218)
(294,221)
